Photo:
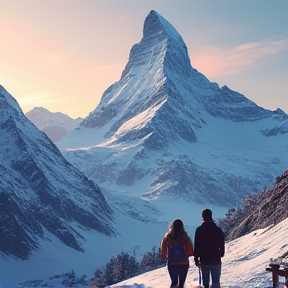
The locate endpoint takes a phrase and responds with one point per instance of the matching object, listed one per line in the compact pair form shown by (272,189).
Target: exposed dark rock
(260,210)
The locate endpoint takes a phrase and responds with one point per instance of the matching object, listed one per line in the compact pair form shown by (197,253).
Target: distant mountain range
(165,129)
(55,125)
(41,194)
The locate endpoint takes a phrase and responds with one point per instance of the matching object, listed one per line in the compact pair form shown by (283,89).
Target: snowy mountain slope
(137,223)
(51,214)
(243,265)
(259,211)
(41,193)
(55,125)
(167,129)
(55,258)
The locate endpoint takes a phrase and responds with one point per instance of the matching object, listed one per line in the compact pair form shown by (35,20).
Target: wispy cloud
(215,62)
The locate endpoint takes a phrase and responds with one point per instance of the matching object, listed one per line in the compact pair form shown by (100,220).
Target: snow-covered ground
(138,223)
(244,264)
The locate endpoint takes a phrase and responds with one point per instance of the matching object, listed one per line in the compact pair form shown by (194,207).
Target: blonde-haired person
(174,239)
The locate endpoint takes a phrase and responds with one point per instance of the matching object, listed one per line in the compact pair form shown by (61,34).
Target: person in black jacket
(209,247)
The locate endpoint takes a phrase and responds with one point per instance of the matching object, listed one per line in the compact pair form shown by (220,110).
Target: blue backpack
(177,254)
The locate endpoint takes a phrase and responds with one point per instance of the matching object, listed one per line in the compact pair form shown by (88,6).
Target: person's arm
(222,243)
(197,248)
(163,248)
(188,247)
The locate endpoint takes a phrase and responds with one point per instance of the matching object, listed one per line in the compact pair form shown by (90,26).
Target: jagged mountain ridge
(40,192)
(166,129)
(151,96)
(55,125)
(162,43)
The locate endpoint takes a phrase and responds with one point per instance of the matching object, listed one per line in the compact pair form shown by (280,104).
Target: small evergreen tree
(125,266)
(98,277)
(151,260)
(109,274)
(121,267)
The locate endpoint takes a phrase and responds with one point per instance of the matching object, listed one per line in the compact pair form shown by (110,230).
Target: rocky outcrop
(260,210)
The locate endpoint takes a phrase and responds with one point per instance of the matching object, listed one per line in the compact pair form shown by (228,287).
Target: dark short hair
(207,215)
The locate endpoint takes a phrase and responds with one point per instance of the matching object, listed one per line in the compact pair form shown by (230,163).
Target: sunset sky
(63,54)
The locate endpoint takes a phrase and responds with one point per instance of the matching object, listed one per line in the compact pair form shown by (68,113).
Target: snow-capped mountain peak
(147,83)
(160,42)
(166,127)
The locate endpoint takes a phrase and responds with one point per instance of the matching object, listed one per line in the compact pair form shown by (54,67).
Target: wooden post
(274,268)
(275,278)
(276,272)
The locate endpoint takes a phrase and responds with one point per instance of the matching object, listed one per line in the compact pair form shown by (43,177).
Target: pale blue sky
(63,54)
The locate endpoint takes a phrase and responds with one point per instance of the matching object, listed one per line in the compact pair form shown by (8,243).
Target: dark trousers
(178,274)
(215,271)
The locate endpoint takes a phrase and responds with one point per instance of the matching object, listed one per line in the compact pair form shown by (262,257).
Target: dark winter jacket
(209,244)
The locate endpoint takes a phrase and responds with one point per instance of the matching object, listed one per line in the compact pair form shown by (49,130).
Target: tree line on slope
(259,210)
(125,266)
